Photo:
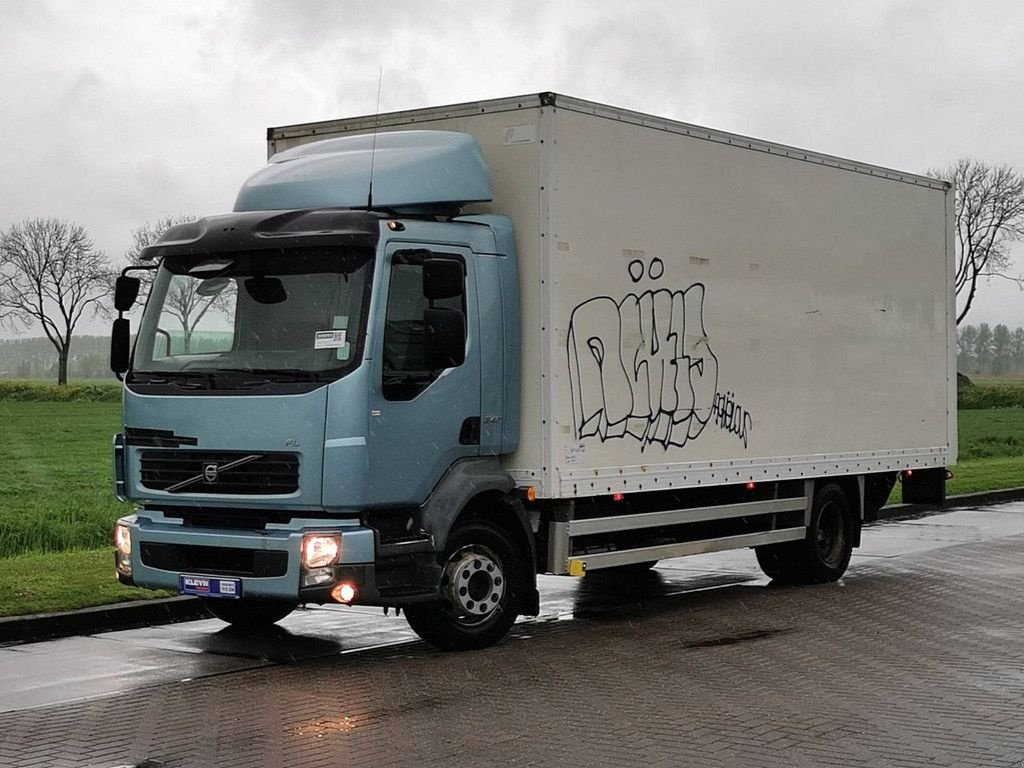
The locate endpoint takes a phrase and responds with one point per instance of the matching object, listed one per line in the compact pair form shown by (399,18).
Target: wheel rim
(831,534)
(474,584)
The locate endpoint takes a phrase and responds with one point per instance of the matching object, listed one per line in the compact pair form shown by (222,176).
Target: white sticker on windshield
(330,339)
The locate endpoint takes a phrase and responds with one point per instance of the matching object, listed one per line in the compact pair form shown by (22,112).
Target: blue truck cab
(320,385)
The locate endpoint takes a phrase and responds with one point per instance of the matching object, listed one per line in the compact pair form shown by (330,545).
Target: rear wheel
(483,582)
(824,553)
(248,613)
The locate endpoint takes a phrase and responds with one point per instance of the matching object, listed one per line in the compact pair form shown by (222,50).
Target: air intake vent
(227,472)
(226,561)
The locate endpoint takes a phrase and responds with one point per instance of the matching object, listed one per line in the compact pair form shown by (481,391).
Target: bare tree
(989,216)
(182,302)
(150,232)
(51,274)
(146,235)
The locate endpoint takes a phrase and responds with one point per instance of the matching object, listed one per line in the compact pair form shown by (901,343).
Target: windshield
(294,315)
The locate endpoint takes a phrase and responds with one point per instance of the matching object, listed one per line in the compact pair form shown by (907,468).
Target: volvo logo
(210,473)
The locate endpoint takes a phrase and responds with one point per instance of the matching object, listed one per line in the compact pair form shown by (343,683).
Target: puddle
(742,637)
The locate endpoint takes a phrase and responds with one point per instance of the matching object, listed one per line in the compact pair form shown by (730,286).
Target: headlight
(123,539)
(123,549)
(319,550)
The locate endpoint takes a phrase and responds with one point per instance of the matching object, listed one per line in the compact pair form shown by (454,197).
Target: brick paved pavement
(912,661)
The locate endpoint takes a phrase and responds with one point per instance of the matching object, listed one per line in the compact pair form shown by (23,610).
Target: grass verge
(91,392)
(986,475)
(63,581)
(990,434)
(55,476)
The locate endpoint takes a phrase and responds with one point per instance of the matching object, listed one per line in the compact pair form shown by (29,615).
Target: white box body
(700,308)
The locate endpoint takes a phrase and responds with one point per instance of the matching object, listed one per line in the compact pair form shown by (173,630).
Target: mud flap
(925,486)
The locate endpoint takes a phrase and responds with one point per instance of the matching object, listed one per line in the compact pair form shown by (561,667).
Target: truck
(434,353)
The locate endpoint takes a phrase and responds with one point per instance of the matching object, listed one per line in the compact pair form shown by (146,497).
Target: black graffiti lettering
(642,367)
(732,417)
(636,270)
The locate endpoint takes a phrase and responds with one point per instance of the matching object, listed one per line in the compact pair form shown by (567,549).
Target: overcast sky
(115,114)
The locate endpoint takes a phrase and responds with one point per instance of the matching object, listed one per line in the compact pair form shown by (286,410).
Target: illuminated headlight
(123,549)
(123,539)
(319,550)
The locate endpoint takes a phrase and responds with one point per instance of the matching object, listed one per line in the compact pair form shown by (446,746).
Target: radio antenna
(373,146)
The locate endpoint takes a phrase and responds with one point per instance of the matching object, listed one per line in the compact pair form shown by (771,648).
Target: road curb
(142,613)
(102,618)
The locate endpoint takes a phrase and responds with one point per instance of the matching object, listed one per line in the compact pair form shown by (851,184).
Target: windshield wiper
(225,378)
(183,379)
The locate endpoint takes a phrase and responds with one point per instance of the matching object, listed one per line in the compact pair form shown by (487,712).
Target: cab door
(423,417)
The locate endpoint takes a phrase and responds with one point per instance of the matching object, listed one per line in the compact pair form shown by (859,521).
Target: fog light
(344,593)
(319,550)
(123,539)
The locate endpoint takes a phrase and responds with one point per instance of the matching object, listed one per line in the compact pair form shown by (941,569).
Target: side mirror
(120,343)
(126,291)
(442,278)
(446,338)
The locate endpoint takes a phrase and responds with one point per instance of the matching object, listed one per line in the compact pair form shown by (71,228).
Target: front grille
(220,472)
(217,561)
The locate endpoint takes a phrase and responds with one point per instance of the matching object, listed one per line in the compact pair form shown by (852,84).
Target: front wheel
(483,582)
(252,613)
(824,554)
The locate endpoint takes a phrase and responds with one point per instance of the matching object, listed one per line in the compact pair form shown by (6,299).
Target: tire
(253,613)
(824,555)
(483,583)
(777,561)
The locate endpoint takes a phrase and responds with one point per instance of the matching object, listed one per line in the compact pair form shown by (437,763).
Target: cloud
(120,113)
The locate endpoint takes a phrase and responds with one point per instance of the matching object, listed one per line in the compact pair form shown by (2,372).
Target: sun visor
(410,169)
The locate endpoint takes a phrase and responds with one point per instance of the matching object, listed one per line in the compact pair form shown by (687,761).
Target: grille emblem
(209,472)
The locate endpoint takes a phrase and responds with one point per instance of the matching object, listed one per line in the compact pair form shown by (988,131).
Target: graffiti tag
(642,367)
(731,416)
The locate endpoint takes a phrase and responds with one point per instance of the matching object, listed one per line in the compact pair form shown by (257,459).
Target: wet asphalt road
(916,658)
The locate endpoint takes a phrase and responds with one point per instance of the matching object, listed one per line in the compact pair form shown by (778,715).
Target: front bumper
(163,549)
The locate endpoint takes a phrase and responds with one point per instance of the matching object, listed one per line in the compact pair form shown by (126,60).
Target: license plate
(210,586)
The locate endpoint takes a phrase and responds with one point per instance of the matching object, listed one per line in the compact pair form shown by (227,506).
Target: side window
(406,372)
